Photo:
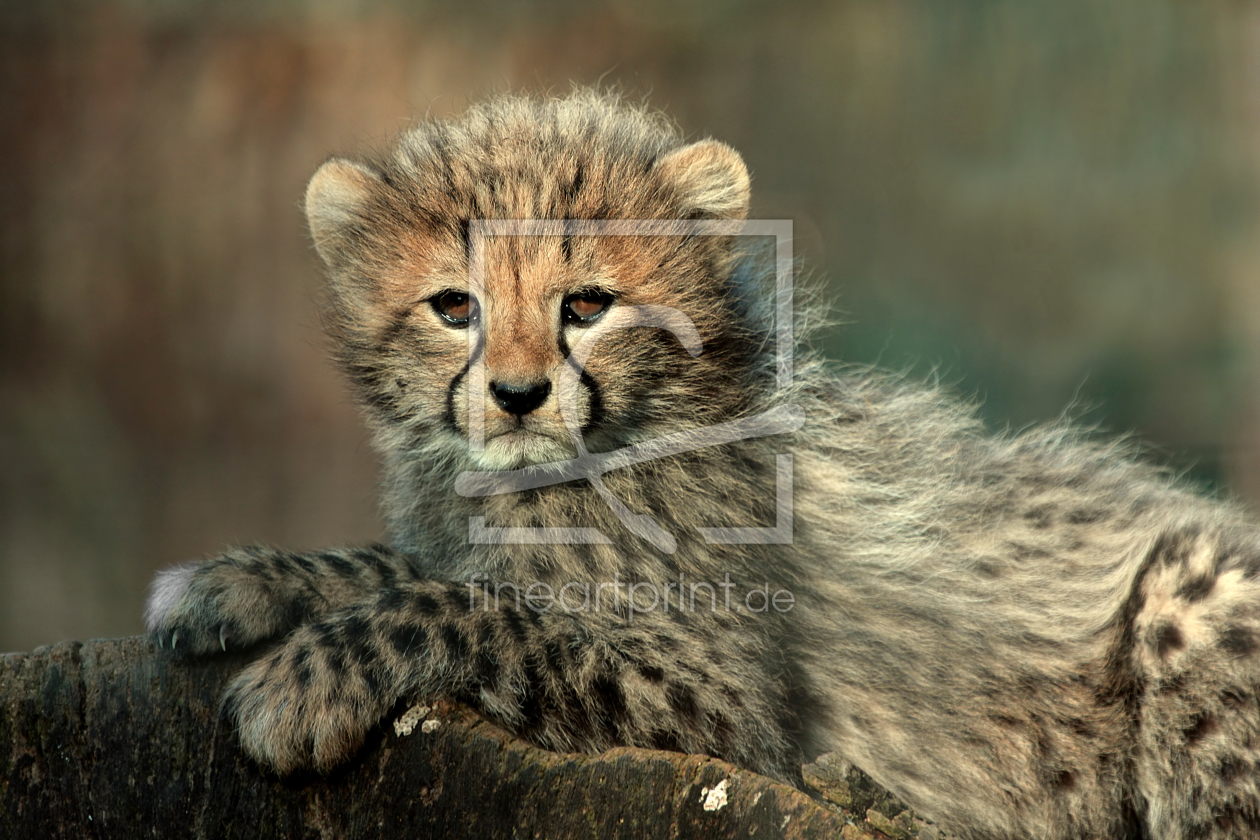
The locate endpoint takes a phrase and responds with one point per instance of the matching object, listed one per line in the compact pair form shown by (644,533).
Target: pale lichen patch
(714,799)
(406,724)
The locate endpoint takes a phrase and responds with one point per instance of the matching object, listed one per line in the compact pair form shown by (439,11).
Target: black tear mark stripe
(596,398)
(448,415)
(596,415)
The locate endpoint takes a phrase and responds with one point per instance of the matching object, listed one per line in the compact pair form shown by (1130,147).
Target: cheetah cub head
(457,324)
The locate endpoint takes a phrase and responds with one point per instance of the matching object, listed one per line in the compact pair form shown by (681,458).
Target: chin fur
(519,449)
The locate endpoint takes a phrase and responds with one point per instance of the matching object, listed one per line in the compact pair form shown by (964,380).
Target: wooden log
(108,739)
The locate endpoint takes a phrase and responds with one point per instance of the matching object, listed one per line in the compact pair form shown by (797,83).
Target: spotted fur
(1030,636)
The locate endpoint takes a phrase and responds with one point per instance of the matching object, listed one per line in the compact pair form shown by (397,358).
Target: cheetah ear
(710,176)
(336,198)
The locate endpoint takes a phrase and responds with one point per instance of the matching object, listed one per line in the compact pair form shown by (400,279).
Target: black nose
(520,399)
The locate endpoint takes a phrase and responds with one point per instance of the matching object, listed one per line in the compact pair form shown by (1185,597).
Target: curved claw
(175,640)
(222,639)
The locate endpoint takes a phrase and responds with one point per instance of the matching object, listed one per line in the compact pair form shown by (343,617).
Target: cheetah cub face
(502,345)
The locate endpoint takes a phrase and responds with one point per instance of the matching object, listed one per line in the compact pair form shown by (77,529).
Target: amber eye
(585,306)
(456,308)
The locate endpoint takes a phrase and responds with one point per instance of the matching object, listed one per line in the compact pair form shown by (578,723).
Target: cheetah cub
(615,522)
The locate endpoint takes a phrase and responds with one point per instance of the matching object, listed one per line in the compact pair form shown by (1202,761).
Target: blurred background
(1046,203)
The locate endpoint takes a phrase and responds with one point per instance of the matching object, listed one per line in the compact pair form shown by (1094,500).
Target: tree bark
(109,739)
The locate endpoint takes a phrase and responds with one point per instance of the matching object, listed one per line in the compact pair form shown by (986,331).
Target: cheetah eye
(456,308)
(585,307)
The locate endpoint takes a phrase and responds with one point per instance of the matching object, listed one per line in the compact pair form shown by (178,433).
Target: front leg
(581,681)
(249,595)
